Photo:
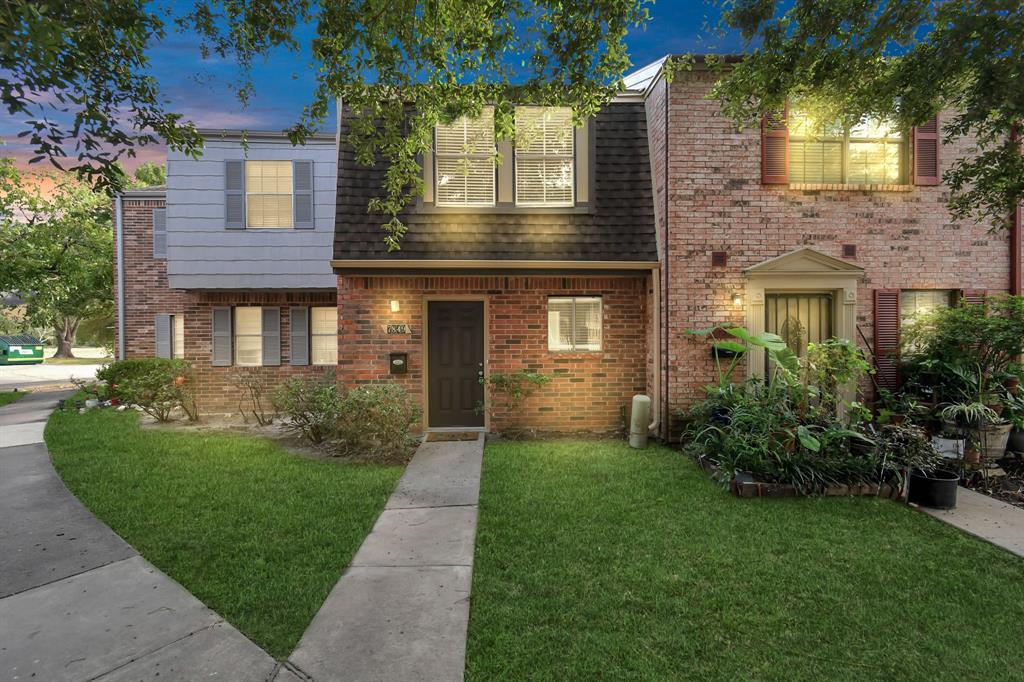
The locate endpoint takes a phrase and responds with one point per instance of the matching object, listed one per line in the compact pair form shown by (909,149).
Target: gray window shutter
(160,233)
(302,186)
(298,335)
(234,195)
(163,336)
(271,336)
(221,337)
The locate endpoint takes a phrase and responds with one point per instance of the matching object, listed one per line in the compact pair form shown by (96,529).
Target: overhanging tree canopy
(899,59)
(449,57)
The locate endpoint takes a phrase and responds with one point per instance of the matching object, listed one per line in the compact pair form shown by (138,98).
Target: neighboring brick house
(228,267)
(563,259)
(806,233)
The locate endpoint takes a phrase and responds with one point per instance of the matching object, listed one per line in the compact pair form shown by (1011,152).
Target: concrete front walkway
(401,609)
(78,603)
(985,517)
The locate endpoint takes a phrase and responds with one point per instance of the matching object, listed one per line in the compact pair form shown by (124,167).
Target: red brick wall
(147,295)
(904,239)
(588,391)
(145,279)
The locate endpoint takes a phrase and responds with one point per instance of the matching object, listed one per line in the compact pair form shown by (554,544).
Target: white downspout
(119,237)
(656,349)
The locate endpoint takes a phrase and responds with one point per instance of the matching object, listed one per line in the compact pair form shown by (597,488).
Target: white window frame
(249,193)
(235,335)
(544,155)
(572,346)
(313,334)
(467,155)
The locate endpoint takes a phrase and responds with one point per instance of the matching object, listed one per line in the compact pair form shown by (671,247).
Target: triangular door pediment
(806,261)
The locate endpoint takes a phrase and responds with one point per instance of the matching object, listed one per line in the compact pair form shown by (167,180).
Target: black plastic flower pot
(935,490)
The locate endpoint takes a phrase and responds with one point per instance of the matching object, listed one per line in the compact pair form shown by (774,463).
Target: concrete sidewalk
(78,603)
(985,517)
(401,609)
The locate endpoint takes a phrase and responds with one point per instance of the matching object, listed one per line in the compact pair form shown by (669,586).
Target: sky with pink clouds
(200,89)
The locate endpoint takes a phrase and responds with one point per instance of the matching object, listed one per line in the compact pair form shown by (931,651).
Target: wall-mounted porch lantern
(395,307)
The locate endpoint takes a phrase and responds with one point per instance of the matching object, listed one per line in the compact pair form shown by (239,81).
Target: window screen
(249,336)
(464,157)
(574,324)
(544,156)
(324,336)
(268,188)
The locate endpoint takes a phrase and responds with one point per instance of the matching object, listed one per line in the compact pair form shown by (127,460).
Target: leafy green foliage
(446,59)
(798,428)
(312,407)
(375,423)
(903,61)
(149,174)
(57,246)
(155,385)
(508,390)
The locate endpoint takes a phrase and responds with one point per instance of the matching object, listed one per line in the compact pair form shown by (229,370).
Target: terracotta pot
(993,438)
(897,419)
(971,454)
(1011,383)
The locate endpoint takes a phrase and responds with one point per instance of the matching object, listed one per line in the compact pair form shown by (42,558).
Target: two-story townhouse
(228,266)
(542,262)
(804,229)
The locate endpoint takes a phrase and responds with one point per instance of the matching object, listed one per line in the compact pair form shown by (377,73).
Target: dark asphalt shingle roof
(619,226)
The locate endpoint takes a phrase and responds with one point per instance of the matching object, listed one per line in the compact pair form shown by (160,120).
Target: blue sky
(200,89)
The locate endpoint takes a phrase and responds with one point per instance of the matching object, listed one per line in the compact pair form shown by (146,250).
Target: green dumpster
(20,350)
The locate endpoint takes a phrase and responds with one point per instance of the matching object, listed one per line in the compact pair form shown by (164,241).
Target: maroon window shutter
(775,148)
(887,337)
(926,153)
(973,296)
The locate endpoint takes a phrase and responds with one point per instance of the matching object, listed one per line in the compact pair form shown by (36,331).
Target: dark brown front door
(455,362)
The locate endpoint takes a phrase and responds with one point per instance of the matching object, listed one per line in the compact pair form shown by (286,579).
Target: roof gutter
(419,264)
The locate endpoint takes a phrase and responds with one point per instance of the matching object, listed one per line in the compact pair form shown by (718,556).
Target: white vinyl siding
(545,158)
(249,336)
(268,190)
(871,152)
(324,336)
(464,158)
(178,345)
(574,324)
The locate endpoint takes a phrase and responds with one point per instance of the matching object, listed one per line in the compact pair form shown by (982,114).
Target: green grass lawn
(8,397)
(597,562)
(258,534)
(75,361)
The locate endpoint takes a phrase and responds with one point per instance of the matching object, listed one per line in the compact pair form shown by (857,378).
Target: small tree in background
(57,245)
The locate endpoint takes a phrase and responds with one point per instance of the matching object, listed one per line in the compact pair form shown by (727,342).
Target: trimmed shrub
(313,407)
(375,423)
(155,385)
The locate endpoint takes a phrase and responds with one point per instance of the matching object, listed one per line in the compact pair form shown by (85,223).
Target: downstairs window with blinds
(545,156)
(464,161)
(324,335)
(574,324)
(248,336)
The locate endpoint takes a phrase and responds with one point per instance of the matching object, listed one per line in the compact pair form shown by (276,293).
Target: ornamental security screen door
(799,318)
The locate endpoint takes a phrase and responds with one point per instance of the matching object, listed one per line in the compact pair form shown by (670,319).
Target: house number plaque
(398,328)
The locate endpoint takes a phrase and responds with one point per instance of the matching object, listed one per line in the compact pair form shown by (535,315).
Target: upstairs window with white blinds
(574,324)
(544,156)
(464,158)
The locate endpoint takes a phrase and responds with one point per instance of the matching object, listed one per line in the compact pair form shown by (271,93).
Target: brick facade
(147,295)
(590,391)
(904,239)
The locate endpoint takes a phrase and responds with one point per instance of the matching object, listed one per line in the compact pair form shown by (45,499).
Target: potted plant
(896,407)
(905,447)
(1014,414)
(984,423)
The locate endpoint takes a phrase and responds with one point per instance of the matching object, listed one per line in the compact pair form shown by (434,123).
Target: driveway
(44,375)
(77,602)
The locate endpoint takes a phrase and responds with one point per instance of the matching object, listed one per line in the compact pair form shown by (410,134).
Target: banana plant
(785,363)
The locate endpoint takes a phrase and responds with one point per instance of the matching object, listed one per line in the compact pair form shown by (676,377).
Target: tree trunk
(66,334)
